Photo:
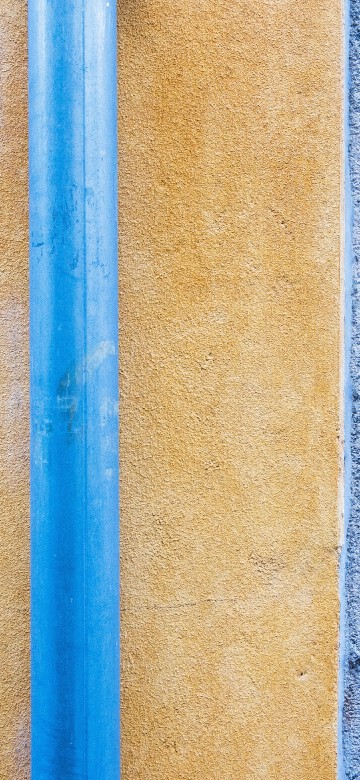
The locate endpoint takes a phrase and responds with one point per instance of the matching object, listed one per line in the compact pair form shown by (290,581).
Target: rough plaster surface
(229,209)
(230,125)
(14,440)
(351,701)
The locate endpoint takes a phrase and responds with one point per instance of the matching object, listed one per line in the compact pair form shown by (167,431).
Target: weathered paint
(350,648)
(74,390)
(230,129)
(14,426)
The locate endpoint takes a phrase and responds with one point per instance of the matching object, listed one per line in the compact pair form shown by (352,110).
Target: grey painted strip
(349,752)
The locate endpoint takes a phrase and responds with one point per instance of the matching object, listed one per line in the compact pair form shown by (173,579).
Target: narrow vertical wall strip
(346,268)
(349,748)
(74,390)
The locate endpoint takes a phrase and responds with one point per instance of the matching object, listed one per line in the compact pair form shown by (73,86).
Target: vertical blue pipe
(74,390)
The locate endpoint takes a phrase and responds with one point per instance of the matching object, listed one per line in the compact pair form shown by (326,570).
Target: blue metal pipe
(74,390)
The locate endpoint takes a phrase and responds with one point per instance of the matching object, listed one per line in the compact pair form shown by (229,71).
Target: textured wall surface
(229,208)
(14,440)
(230,125)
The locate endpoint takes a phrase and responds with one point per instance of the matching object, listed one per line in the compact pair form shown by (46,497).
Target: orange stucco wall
(229,180)
(14,438)
(230,130)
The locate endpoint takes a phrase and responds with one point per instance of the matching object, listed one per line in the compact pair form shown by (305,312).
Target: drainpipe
(74,390)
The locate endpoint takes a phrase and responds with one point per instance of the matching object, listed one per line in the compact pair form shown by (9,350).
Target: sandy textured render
(14,411)
(230,129)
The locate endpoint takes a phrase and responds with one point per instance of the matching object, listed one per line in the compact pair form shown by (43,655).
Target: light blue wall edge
(349,673)
(74,390)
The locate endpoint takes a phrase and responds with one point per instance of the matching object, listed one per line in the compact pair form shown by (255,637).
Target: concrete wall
(230,130)
(230,125)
